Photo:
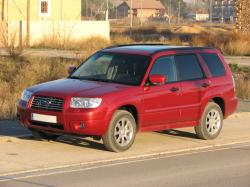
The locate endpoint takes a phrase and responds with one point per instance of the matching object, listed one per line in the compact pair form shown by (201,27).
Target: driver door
(161,102)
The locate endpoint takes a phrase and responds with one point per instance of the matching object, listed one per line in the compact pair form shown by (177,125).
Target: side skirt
(169,126)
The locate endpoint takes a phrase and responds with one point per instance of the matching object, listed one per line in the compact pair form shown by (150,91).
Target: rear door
(192,81)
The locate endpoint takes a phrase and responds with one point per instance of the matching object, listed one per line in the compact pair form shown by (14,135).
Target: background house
(56,10)
(142,9)
(224,10)
(57,19)
(202,15)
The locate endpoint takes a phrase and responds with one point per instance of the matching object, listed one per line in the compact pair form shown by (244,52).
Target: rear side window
(214,64)
(188,67)
(165,66)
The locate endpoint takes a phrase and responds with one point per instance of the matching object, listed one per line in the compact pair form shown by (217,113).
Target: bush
(9,41)
(230,43)
(242,79)
(16,75)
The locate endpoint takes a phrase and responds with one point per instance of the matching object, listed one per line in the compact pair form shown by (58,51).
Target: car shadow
(81,142)
(74,141)
(179,133)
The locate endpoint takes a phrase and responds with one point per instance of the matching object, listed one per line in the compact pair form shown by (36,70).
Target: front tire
(211,122)
(121,132)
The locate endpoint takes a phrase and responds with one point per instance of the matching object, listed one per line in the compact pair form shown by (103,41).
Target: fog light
(82,125)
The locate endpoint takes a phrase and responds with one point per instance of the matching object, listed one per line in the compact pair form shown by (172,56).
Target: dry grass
(9,41)
(87,44)
(229,43)
(18,74)
(222,38)
(121,39)
(242,78)
(243,88)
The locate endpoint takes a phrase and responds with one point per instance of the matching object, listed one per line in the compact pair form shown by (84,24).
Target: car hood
(76,88)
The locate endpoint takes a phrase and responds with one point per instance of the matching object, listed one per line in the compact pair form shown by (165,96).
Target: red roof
(145,4)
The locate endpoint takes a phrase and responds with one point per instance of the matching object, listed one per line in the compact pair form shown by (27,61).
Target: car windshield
(113,67)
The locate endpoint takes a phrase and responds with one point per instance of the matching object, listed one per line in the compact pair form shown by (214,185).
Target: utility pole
(3,4)
(211,11)
(61,15)
(131,16)
(28,24)
(107,11)
(222,11)
(170,11)
(179,11)
(141,15)
(86,8)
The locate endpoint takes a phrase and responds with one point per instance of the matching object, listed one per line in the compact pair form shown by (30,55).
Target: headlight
(26,95)
(78,102)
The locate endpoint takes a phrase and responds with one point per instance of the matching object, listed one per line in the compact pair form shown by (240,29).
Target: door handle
(174,89)
(205,85)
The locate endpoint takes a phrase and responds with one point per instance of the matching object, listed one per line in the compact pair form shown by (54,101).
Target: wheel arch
(219,101)
(133,110)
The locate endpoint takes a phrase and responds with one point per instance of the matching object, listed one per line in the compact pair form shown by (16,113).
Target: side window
(214,64)
(188,67)
(165,66)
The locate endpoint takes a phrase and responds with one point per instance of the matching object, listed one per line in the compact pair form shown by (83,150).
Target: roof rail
(134,44)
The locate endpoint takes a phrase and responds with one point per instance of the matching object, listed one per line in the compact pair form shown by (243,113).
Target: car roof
(149,49)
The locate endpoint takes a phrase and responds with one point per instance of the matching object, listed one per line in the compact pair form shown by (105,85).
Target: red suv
(126,89)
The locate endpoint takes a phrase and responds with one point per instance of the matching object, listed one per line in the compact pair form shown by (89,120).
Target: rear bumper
(231,106)
(70,121)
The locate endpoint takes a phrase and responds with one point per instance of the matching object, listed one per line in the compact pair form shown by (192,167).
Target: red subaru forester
(126,89)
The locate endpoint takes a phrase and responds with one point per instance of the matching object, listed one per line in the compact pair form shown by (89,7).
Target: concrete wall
(60,10)
(68,30)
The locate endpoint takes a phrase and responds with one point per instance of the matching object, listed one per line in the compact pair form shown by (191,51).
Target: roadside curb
(12,138)
(128,159)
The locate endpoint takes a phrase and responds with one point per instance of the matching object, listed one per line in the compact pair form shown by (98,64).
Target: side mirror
(157,79)
(71,69)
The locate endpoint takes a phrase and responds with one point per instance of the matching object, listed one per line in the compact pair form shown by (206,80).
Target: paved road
(241,60)
(225,167)
(24,154)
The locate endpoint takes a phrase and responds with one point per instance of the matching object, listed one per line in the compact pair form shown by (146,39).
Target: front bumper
(69,121)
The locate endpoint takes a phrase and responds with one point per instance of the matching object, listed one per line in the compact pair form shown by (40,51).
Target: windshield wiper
(97,79)
(74,77)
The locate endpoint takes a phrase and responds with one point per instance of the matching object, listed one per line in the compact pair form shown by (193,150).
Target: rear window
(214,64)
(188,67)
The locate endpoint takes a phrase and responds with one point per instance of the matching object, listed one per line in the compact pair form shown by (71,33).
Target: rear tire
(211,122)
(121,132)
(41,136)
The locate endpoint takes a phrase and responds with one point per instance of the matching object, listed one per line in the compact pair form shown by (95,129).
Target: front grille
(47,103)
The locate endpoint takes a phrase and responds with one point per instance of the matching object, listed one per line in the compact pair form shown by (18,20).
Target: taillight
(233,82)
